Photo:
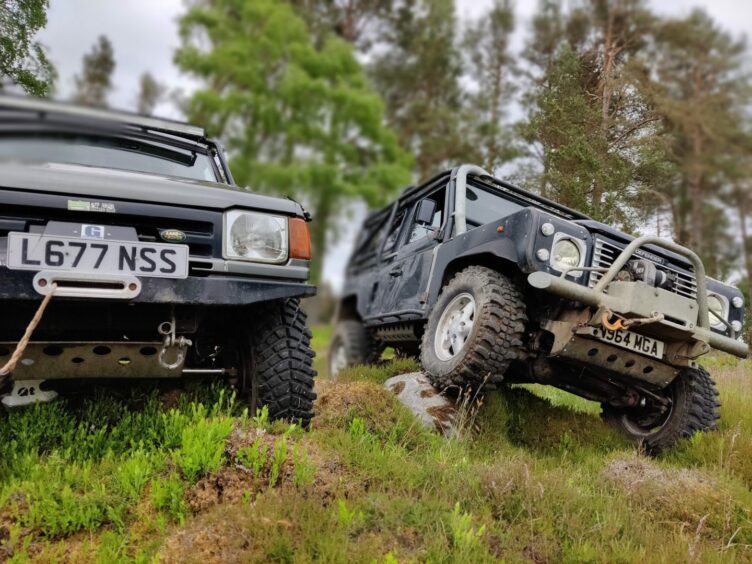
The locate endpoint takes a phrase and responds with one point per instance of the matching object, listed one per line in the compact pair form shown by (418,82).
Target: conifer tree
(490,66)
(700,92)
(94,83)
(150,93)
(418,75)
(596,137)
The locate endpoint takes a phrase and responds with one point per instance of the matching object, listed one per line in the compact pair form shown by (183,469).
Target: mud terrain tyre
(351,344)
(276,368)
(694,407)
(474,331)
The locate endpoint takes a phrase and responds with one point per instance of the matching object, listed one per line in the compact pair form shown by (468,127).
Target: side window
(421,231)
(394,230)
(368,244)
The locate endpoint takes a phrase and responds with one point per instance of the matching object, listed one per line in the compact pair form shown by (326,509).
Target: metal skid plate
(57,361)
(574,345)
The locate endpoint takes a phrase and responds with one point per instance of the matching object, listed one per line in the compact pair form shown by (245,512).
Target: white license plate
(29,251)
(632,341)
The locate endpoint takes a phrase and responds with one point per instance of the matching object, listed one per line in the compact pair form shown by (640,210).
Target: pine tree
(490,65)
(417,71)
(24,61)
(596,137)
(699,90)
(149,94)
(297,117)
(355,21)
(94,83)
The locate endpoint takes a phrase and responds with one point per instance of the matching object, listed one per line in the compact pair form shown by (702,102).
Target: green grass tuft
(536,476)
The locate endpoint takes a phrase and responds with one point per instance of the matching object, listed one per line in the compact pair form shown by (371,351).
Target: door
(408,268)
(380,290)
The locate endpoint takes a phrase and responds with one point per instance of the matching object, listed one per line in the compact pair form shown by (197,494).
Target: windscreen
(484,206)
(107,152)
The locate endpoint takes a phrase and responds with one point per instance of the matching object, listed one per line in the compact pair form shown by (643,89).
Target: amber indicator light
(300,239)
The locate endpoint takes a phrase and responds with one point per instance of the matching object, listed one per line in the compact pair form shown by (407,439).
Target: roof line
(127,118)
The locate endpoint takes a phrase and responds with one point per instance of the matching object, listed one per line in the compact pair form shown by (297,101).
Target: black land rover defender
(490,282)
(158,265)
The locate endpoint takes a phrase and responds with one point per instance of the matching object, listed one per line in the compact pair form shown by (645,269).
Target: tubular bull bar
(628,298)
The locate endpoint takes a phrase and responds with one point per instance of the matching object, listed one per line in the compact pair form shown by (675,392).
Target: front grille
(605,253)
(202,235)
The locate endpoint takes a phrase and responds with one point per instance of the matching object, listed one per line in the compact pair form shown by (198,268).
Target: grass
(145,478)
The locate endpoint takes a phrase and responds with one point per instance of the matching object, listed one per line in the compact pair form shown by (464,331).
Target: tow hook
(621,323)
(172,342)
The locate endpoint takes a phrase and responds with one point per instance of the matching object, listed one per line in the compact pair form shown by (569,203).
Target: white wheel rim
(338,362)
(454,327)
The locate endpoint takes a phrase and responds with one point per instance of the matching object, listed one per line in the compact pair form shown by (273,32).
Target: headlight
(716,310)
(565,254)
(255,237)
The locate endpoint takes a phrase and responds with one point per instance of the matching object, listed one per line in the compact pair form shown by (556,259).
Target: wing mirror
(424,214)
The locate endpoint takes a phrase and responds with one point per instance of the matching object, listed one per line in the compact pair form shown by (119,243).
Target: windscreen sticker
(83,205)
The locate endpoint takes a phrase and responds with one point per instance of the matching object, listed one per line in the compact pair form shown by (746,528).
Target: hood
(109,184)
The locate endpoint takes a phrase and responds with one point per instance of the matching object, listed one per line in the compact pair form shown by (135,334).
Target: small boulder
(430,406)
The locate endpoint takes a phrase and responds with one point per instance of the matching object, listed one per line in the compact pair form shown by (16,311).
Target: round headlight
(257,237)
(716,310)
(565,254)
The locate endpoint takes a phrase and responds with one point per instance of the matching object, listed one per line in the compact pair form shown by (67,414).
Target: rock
(431,408)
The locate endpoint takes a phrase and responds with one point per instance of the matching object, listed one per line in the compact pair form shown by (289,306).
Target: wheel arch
(489,260)
(347,309)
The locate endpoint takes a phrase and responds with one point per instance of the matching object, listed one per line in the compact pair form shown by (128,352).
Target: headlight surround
(566,253)
(717,311)
(255,237)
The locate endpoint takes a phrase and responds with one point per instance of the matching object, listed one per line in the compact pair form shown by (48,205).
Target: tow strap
(9,366)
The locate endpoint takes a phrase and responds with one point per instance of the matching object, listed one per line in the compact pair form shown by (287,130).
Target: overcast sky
(144,37)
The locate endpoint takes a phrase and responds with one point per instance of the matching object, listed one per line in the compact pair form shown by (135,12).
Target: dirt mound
(239,480)
(219,540)
(688,498)
(225,486)
(339,402)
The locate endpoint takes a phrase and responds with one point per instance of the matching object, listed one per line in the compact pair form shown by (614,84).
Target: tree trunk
(492,149)
(697,196)
(606,93)
(319,226)
(742,207)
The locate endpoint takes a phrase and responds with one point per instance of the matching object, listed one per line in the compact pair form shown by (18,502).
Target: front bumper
(682,319)
(641,295)
(211,290)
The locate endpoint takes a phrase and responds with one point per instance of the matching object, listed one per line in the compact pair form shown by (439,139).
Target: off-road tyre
(695,407)
(496,337)
(277,370)
(359,345)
